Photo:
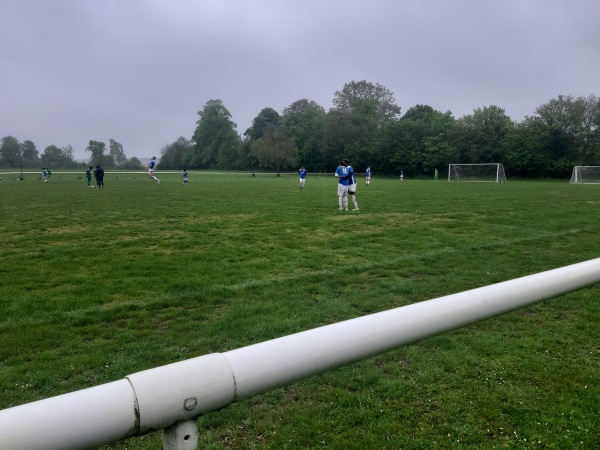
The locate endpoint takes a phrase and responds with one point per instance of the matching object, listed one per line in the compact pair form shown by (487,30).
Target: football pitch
(96,284)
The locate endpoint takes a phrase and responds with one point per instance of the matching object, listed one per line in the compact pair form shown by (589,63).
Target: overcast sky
(138,71)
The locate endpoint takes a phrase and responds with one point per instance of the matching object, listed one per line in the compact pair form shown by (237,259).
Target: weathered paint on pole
(158,398)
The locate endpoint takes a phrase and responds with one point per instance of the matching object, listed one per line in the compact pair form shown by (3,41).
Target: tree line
(24,155)
(365,126)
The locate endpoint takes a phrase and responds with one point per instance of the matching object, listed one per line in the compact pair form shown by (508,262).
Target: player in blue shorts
(302,174)
(186,181)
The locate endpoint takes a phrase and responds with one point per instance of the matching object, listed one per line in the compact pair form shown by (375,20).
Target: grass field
(98,284)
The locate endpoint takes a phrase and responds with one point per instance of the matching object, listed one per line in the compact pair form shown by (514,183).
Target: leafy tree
(526,153)
(479,137)
(303,122)
(133,164)
(355,93)
(419,142)
(216,143)
(97,148)
(177,154)
(31,156)
(57,157)
(10,152)
(572,124)
(116,153)
(337,137)
(267,118)
(362,109)
(275,151)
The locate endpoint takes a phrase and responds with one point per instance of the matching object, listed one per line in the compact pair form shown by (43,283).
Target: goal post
(585,175)
(487,172)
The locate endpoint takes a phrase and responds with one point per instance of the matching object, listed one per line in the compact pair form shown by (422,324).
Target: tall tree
(177,154)
(303,122)
(97,148)
(419,142)
(573,127)
(30,153)
(275,151)
(480,135)
(10,152)
(57,157)
(266,118)
(355,93)
(116,152)
(215,139)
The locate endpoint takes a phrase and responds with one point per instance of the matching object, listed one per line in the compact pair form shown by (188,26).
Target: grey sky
(138,71)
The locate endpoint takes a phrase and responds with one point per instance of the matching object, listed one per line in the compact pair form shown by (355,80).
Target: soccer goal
(585,175)
(490,172)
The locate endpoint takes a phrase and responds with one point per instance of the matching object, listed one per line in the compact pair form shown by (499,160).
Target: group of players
(346,183)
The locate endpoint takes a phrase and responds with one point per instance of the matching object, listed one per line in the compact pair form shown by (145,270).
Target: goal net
(585,175)
(490,172)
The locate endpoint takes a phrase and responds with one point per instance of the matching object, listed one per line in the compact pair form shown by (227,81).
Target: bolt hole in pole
(181,436)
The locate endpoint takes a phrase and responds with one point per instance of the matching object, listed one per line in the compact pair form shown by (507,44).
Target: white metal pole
(158,398)
(260,367)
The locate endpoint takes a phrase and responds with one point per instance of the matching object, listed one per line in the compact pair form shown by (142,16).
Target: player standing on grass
(99,175)
(186,182)
(343,173)
(150,167)
(352,189)
(88,176)
(368,176)
(44,175)
(302,174)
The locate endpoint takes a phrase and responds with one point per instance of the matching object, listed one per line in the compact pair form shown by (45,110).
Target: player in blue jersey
(150,167)
(368,176)
(186,181)
(343,173)
(44,175)
(352,189)
(302,174)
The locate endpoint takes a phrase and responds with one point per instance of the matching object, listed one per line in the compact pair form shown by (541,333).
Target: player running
(150,167)
(302,174)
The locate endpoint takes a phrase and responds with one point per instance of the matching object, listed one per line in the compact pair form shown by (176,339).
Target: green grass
(98,284)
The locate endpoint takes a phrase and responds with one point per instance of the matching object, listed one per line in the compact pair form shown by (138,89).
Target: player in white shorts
(150,167)
(352,189)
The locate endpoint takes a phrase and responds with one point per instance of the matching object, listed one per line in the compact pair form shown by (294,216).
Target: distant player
(88,176)
(302,174)
(368,176)
(150,167)
(435,176)
(402,175)
(44,175)
(352,189)
(343,173)
(186,181)
(99,175)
